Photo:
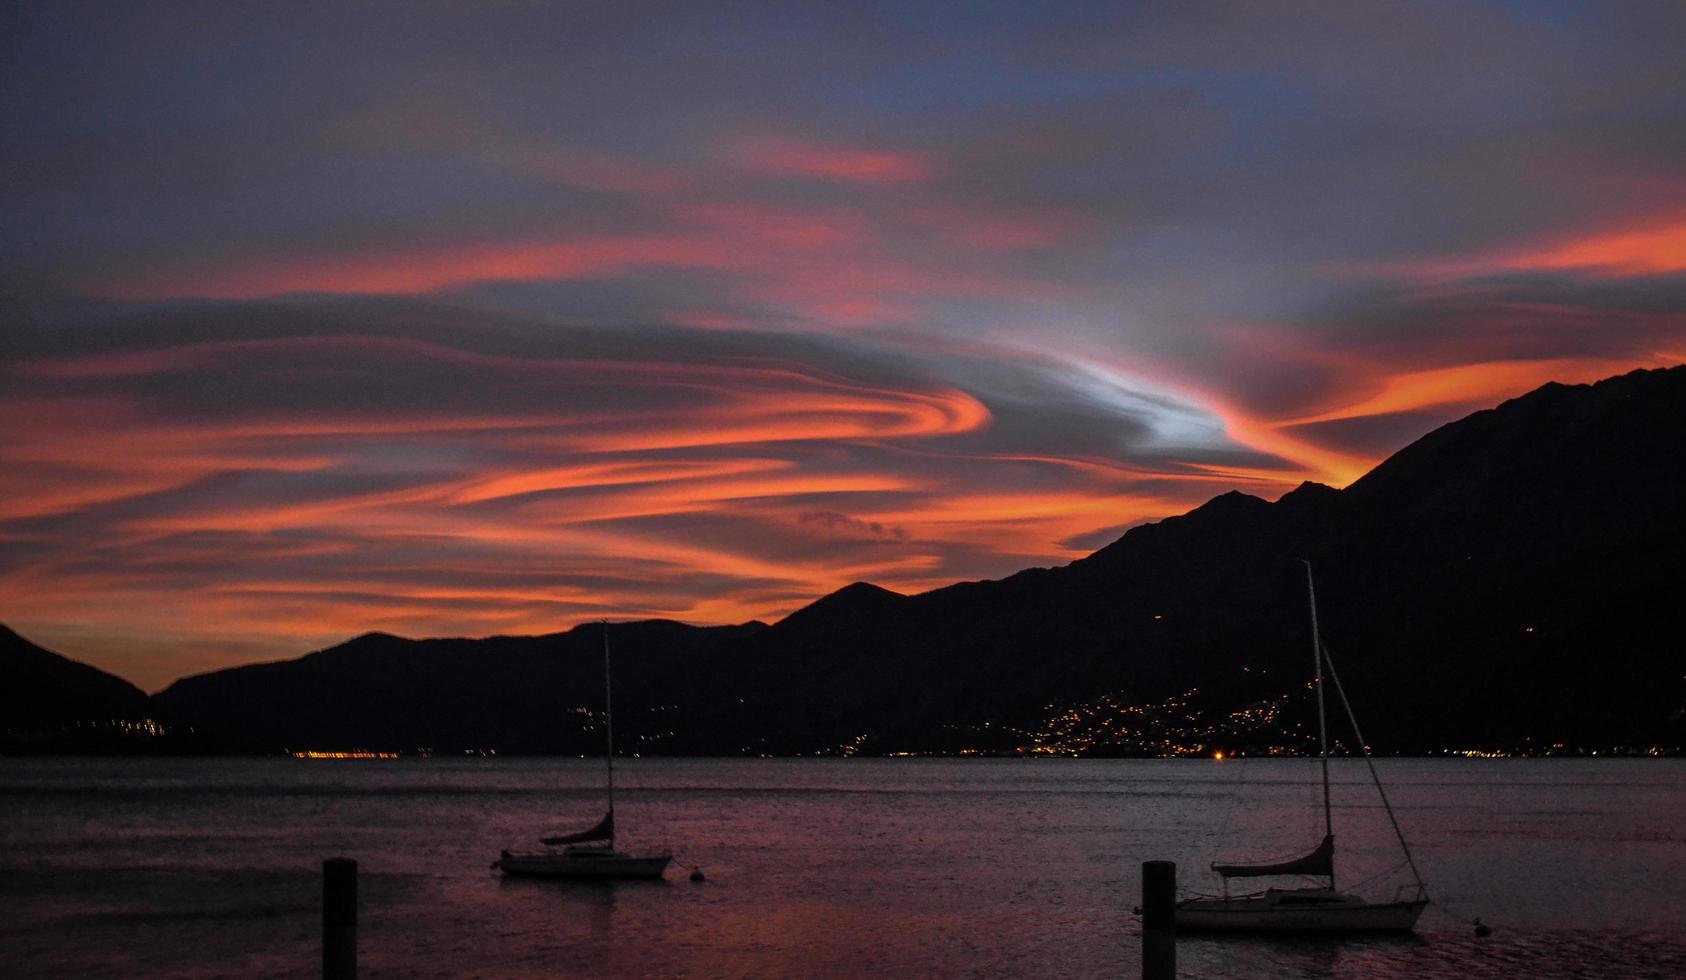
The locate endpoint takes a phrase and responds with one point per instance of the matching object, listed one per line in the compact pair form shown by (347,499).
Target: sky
(476,318)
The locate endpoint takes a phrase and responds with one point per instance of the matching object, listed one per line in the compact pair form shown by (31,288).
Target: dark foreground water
(116,867)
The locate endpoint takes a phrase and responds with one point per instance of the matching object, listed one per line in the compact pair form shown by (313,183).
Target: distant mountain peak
(857,599)
(40,689)
(1524,440)
(372,642)
(856,591)
(1309,495)
(1233,505)
(1311,488)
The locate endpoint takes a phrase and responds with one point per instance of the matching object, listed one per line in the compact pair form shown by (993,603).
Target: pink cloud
(1634,252)
(414,271)
(783,157)
(802,228)
(1650,248)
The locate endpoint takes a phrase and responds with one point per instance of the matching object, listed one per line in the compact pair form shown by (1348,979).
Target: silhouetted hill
(1509,579)
(512,693)
(856,603)
(44,696)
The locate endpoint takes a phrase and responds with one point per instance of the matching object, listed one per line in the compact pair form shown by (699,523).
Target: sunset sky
(461,319)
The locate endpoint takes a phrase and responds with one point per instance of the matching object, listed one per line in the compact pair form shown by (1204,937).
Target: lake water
(835,868)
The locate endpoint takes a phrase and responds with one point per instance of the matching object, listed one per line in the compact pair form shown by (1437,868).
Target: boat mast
(1322,723)
(609,729)
(1374,776)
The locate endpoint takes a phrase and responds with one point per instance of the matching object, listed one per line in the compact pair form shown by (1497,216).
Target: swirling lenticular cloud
(337,473)
(519,316)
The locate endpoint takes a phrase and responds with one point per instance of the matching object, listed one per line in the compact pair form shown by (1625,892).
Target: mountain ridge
(1465,583)
(48,699)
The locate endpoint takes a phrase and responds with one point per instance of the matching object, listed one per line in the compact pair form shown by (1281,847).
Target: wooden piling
(339,919)
(1159,920)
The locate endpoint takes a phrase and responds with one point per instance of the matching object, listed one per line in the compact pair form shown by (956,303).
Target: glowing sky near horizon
(456,319)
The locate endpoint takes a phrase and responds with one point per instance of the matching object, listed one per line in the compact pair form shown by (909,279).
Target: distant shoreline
(375,755)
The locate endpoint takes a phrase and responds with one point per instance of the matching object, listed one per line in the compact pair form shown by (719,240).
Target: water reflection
(1305,956)
(114,868)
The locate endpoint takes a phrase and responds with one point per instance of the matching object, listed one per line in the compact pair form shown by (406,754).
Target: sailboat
(588,853)
(1320,908)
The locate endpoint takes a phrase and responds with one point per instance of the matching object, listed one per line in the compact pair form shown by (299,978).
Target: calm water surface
(201,868)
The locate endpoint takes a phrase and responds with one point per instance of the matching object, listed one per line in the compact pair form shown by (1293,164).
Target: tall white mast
(1322,723)
(1375,777)
(609,729)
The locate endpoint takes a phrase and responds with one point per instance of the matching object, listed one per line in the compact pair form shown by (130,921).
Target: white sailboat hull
(593,862)
(1310,911)
(583,857)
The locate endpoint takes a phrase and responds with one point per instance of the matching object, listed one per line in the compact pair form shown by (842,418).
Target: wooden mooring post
(1159,920)
(339,919)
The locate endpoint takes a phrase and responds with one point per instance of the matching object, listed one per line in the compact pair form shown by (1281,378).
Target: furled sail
(605,830)
(1318,862)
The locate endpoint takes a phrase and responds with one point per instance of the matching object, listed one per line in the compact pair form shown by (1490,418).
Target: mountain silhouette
(1507,580)
(51,699)
(536,694)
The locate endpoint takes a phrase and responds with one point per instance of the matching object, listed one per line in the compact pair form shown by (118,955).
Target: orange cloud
(807,229)
(1646,251)
(1373,392)
(618,473)
(429,270)
(1465,385)
(1025,523)
(302,488)
(825,416)
(837,265)
(747,253)
(792,158)
(536,512)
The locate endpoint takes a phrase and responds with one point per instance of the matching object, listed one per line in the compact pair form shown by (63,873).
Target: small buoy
(696,874)
(1482,930)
